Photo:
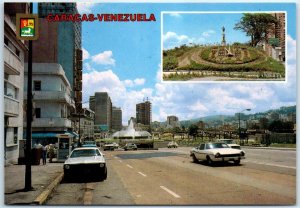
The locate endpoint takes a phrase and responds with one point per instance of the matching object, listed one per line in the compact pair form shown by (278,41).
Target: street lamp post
(247,109)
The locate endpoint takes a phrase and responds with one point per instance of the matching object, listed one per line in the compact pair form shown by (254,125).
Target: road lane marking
(142,174)
(170,192)
(270,164)
(88,194)
(129,166)
(120,161)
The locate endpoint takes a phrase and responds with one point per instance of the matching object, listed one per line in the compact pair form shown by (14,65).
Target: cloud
(87,67)
(208,33)
(134,83)
(84,7)
(85,54)
(172,39)
(175,14)
(291,49)
(104,58)
(120,92)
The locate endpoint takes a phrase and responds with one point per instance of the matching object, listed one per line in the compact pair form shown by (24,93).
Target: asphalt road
(168,177)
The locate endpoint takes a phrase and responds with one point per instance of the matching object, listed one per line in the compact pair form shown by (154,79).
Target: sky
(124,59)
(200,28)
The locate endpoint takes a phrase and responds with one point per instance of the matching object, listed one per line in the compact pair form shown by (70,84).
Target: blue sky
(124,60)
(201,28)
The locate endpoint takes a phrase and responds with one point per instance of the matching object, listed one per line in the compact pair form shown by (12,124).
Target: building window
(6,40)
(37,112)
(15,135)
(37,85)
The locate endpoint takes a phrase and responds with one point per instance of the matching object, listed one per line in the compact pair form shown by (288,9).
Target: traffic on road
(169,176)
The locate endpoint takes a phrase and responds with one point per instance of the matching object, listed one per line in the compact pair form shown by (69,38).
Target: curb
(41,199)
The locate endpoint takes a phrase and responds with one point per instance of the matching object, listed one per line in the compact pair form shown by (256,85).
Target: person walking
(44,154)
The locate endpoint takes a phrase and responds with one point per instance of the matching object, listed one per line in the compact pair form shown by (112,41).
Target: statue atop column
(223,43)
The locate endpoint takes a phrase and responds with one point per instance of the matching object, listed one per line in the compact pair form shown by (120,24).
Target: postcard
(149,103)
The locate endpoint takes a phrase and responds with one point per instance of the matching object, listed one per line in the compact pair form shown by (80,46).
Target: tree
(281,127)
(256,26)
(193,130)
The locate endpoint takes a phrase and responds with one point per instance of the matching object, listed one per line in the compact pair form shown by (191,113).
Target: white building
(52,103)
(13,54)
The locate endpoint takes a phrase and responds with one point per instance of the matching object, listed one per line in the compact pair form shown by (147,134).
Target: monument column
(223,43)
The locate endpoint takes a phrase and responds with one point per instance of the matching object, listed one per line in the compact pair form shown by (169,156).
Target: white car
(111,146)
(87,161)
(213,152)
(230,143)
(172,145)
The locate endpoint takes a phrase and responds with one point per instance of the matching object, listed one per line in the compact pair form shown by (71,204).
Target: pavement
(44,178)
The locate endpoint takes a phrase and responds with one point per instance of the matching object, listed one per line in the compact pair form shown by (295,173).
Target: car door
(202,152)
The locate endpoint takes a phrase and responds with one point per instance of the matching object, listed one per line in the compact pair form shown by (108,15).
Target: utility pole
(29,114)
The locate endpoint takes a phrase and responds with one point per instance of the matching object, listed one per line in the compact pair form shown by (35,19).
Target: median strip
(170,192)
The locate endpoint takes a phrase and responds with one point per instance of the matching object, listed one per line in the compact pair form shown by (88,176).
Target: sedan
(88,161)
(130,146)
(213,152)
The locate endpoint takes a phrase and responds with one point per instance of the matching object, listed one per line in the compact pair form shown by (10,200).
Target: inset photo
(223,46)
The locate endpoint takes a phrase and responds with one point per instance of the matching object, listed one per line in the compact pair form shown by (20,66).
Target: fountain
(130,133)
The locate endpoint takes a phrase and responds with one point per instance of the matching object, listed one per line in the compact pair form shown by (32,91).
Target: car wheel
(66,177)
(195,160)
(208,160)
(237,162)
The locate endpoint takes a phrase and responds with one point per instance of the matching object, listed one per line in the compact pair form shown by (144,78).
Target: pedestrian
(51,152)
(44,154)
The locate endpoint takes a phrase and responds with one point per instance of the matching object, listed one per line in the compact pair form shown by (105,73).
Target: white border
(216,82)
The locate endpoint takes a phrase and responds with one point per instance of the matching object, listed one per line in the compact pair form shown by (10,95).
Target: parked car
(213,152)
(85,161)
(130,146)
(110,146)
(172,144)
(230,143)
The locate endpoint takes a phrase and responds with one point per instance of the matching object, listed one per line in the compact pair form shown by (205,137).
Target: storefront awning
(73,134)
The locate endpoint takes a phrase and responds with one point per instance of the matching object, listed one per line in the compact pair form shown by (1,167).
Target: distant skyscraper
(102,106)
(144,113)
(173,121)
(116,118)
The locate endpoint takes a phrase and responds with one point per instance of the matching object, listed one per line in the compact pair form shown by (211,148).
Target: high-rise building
(116,118)
(275,45)
(101,104)
(173,121)
(13,55)
(144,113)
(60,42)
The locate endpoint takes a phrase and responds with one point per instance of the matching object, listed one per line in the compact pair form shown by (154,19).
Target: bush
(169,63)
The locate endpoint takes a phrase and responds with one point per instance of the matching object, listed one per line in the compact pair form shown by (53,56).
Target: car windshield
(216,145)
(229,141)
(85,153)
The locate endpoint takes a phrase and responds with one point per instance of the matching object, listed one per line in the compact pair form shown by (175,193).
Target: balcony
(11,106)
(12,63)
(57,96)
(51,122)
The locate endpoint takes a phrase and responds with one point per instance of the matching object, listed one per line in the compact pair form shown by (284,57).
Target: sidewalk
(41,177)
